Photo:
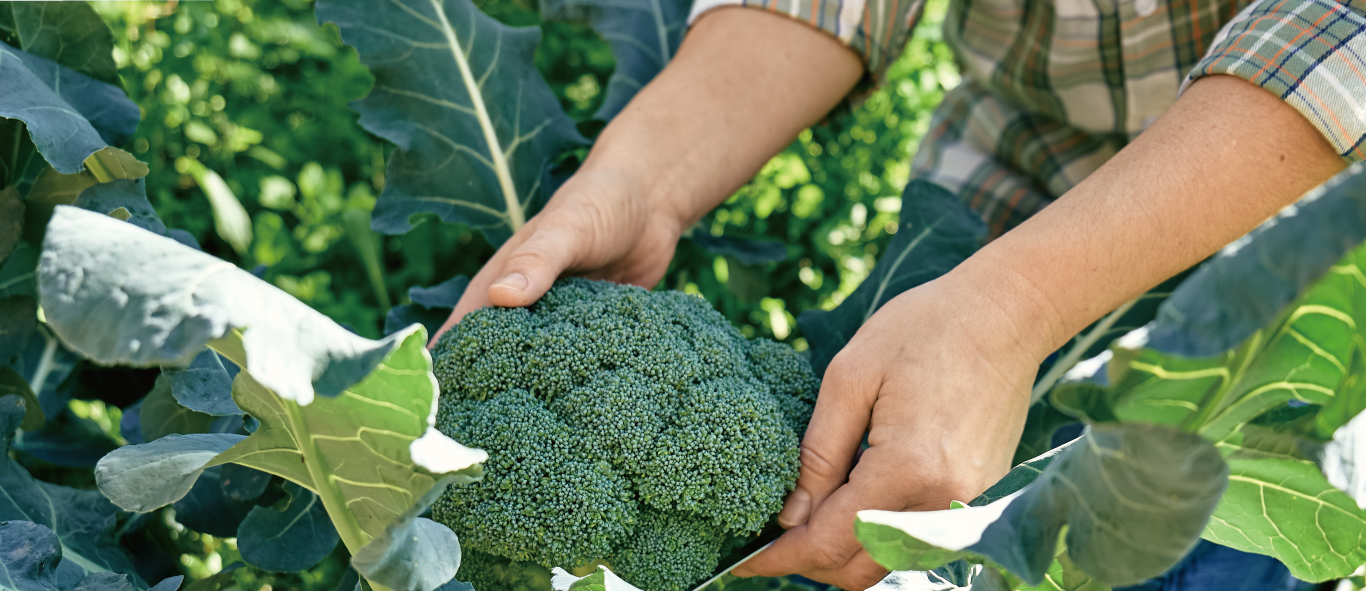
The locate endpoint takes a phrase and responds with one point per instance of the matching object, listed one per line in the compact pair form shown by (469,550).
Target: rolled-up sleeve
(1311,53)
(876,29)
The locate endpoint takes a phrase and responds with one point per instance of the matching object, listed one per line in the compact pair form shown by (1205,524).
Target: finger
(827,542)
(530,269)
(833,436)
(476,296)
(861,572)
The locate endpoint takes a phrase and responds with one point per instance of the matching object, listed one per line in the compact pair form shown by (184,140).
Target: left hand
(939,378)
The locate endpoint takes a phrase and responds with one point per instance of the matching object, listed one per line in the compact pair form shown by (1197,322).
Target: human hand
(939,378)
(601,224)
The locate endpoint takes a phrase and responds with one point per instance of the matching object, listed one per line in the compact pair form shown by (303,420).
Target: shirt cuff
(1311,53)
(877,29)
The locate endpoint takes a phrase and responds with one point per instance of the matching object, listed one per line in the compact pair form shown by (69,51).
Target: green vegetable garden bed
(172,398)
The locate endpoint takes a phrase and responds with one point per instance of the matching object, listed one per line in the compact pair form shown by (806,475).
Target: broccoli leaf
(414,553)
(373,447)
(644,35)
(1307,353)
(1279,503)
(29,554)
(1139,491)
(431,306)
(476,125)
(208,509)
(600,580)
(65,133)
(11,383)
(67,440)
(242,484)
(937,232)
(205,386)
(83,520)
(161,415)
(151,475)
(11,220)
(70,33)
(119,294)
(293,536)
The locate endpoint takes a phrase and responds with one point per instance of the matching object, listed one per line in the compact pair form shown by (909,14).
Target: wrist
(660,187)
(1005,309)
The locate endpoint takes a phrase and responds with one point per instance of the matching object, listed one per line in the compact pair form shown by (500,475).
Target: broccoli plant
(625,427)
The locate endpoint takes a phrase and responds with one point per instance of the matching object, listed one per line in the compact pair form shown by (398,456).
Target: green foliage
(622,425)
(1137,491)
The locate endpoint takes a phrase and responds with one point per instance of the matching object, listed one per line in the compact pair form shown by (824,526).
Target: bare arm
(1225,158)
(743,84)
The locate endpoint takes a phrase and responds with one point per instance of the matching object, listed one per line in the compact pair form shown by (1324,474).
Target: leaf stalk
(1073,355)
(515,215)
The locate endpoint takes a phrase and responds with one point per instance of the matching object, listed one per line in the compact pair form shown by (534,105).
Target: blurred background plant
(245,117)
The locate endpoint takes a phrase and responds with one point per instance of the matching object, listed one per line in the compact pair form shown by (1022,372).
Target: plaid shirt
(1054,88)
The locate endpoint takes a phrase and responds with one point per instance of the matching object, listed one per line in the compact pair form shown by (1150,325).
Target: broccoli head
(632,428)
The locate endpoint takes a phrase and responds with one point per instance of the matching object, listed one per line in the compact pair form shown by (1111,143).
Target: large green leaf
(644,35)
(119,294)
(292,536)
(937,232)
(83,520)
(152,475)
(68,115)
(1307,354)
(122,294)
(475,124)
(1141,492)
(69,33)
(371,451)
(1279,503)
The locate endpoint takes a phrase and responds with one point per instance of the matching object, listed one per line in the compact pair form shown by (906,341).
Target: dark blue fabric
(1211,566)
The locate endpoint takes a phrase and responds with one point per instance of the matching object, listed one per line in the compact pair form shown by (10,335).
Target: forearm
(741,87)
(1224,159)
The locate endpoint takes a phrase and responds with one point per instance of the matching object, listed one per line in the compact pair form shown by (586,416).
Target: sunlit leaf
(602,579)
(414,553)
(230,219)
(1279,503)
(155,474)
(475,124)
(174,300)
(1142,492)
(375,443)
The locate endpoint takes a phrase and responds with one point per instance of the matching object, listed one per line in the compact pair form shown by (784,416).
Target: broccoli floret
(668,552)
(626,427)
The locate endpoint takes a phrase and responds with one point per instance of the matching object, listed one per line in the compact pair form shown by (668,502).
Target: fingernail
(796,510)
(515,282)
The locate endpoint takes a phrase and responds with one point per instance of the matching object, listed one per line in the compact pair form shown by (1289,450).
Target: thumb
(532,267)
(831,441)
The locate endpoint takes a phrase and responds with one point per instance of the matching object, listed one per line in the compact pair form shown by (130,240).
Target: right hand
(602,224)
